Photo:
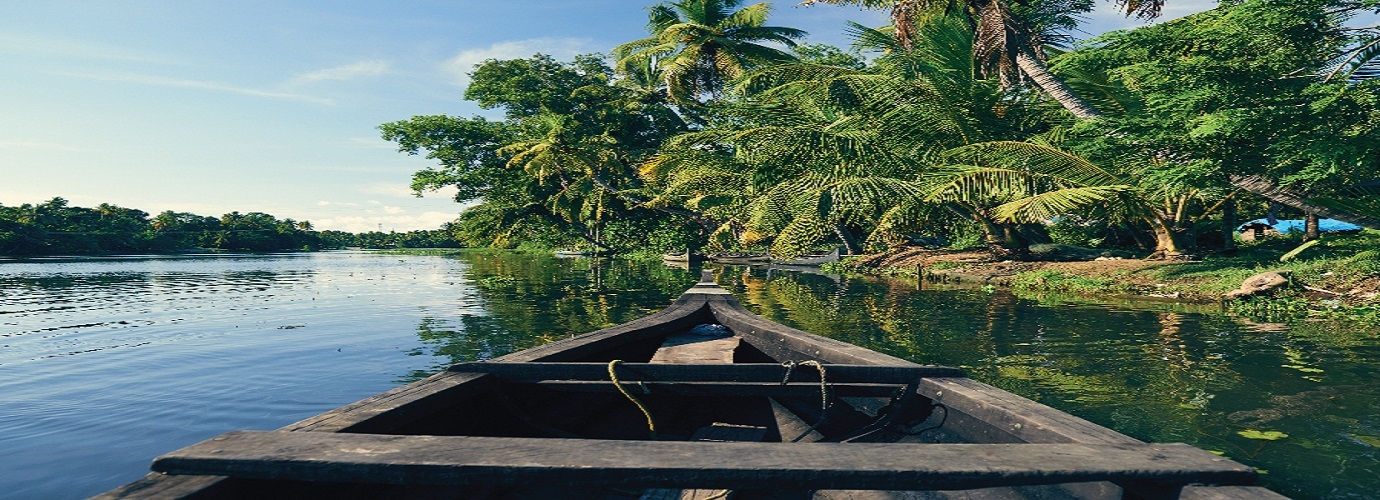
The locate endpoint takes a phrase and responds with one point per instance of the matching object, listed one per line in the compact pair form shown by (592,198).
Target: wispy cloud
(40,145)
(463,63)
(345,72)
(42,45)
(160,81)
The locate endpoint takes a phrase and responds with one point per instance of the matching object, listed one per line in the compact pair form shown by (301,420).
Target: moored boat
(810,259)
(572,253)
(652,409)
(681,256)
(739,258)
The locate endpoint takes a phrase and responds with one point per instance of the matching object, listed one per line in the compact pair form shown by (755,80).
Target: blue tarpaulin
(1286,226)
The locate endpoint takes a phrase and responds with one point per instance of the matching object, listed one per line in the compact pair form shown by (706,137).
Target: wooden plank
(767,389)
(789,344)
(689,310)
(719,432)
(161,486)
(468,460)
(1228,493)
(688,348)
(400,405)
(743,372)
(1015,418)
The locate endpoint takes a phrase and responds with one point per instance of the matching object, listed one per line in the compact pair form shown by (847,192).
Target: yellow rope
(613,375)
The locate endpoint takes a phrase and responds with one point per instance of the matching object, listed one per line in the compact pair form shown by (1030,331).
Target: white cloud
(463,63)
(401,223)
(393,210)
(344,72)
(160,81)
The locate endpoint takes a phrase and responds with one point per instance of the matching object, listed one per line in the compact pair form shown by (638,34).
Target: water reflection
(1153,372)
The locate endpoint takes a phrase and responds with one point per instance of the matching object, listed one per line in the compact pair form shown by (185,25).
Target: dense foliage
(56,228)
(963,122)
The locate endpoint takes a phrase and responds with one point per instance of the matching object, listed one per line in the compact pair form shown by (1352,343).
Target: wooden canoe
(739,258)
(740,407)
(810,259)
(682,256)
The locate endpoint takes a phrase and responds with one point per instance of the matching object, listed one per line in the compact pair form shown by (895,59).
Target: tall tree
(815,151)
(700,45)
(1008,39)
(1251,111)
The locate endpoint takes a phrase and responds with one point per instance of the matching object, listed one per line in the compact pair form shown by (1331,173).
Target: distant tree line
(56,228)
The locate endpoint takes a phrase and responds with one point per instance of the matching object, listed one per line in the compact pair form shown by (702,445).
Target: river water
(108,362)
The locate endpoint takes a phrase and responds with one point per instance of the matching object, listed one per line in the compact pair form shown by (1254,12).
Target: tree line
(56,228)
(964,122)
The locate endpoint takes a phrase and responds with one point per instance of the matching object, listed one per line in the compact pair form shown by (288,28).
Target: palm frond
(1047,205)
(1036,158)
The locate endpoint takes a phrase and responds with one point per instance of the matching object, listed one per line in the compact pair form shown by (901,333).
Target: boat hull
(570,432)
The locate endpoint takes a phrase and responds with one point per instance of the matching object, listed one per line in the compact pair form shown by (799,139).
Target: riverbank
(1340,275)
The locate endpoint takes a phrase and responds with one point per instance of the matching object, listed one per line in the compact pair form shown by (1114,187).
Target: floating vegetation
(1262,435)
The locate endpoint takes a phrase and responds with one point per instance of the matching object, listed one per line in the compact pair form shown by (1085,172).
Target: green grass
(1058,282)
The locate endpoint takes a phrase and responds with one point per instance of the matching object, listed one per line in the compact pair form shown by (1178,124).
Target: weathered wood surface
(742,372)
(466,460)
(690,348)
(685,349)
(400,405)
(1013,418)
(771,389)
(157,485)
(1228,493)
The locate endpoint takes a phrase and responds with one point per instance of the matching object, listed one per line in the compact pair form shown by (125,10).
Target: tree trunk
(1310,227)
(1267,189)
(1052,85)
(1167,245)
(1229,226)
(850,243)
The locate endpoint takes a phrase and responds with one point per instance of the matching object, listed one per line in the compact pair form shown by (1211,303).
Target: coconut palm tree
(822,151)
(1008,41)
(1034,183)
(699,45)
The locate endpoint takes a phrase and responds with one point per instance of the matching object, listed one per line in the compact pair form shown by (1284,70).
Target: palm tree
(822,151)
(699,45)
(1007,41)
(1034,183)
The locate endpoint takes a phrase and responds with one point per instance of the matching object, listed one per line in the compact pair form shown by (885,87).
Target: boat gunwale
(1012,418)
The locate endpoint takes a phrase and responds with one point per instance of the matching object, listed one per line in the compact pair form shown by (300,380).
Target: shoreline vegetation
(1337,278)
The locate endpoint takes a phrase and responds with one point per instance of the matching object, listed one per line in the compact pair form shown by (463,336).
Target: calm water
(106,363)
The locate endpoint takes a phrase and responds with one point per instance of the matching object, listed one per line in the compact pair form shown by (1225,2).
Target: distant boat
(810,259)
(740,258)
(573,253)
(682,256)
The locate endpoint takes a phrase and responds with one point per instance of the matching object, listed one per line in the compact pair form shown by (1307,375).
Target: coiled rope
(613,375)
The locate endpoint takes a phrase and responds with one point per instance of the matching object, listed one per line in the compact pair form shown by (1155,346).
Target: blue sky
(272,106)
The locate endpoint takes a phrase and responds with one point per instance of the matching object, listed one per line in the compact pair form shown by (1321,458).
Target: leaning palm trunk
(1052,85)
(1267,189)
